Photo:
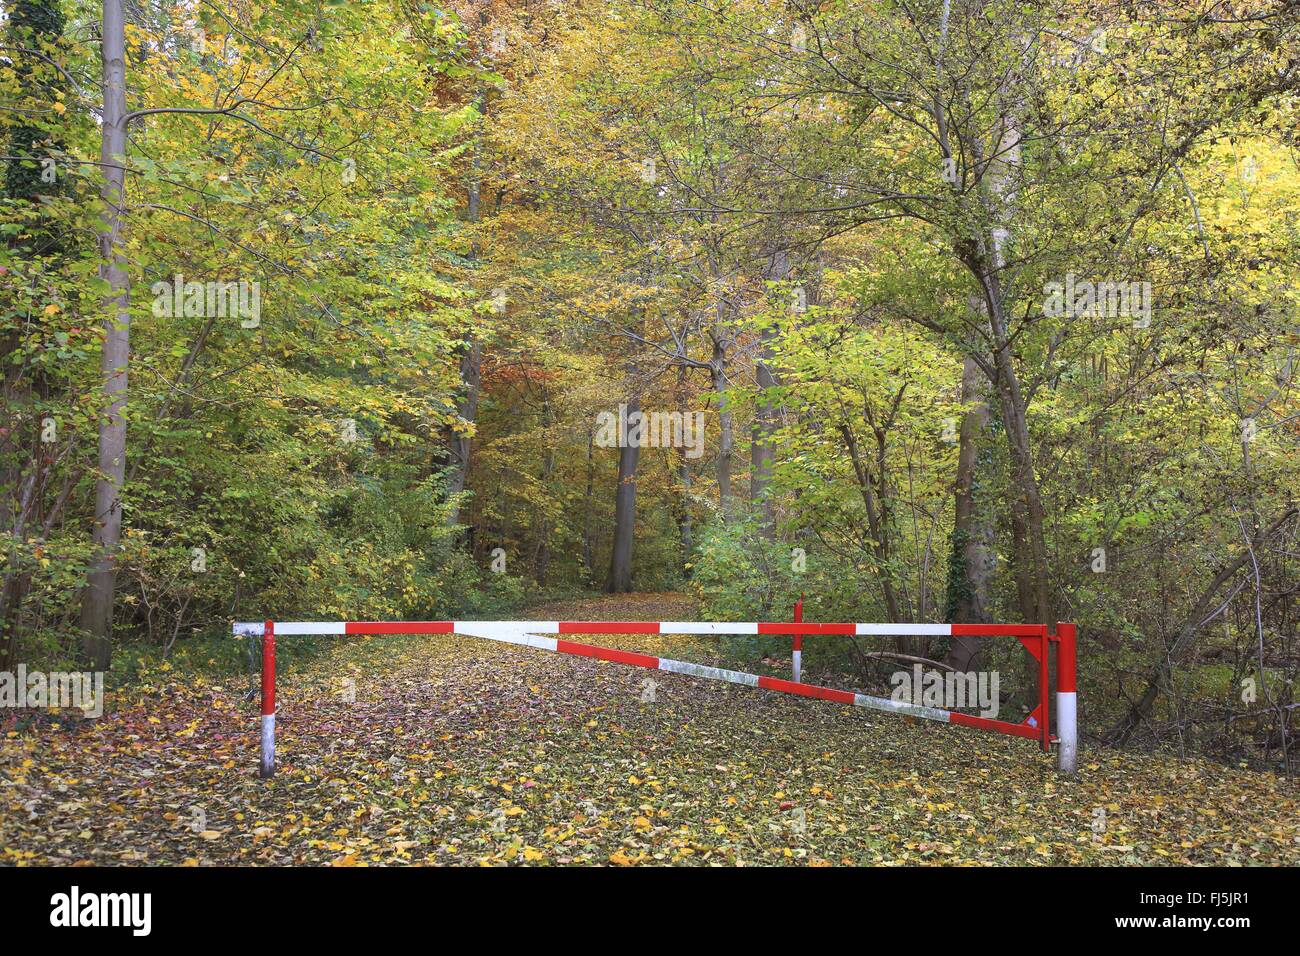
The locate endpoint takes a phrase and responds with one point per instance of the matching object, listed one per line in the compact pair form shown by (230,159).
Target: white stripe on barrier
(898,707)
(503,627)
(709,673)
(249,629)
(906,630)
(506,636)
(525,627)
(310,627)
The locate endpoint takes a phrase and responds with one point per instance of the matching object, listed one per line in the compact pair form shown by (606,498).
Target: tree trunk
(987,261)
(971,563)
(727,437)
(1022,571)
(762,453)
(685,526)
(587,561)
(620,559)
(459,445)
(543,559)
(97,606)
(877,524)
(1022,473)
(685,530)
(471,356)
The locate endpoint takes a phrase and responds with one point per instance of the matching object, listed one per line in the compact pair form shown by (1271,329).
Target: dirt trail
(405,750)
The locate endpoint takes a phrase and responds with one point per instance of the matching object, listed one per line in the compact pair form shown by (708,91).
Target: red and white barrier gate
(1036,639)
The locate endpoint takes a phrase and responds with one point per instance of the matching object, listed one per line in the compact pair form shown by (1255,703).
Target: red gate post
(1067,727)
(268,701)
(796,656)
(1043,681)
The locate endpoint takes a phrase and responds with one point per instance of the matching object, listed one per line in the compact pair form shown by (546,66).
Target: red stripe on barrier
(609,627)
(806,690)
(999,726)
(607,654)
(398,627)
(998,630)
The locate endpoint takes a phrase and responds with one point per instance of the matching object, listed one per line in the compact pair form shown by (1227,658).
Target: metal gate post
(268,701)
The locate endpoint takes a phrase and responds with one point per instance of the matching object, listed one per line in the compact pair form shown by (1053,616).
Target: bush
(740,574)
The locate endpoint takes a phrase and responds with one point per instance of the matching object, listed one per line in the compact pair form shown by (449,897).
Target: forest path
(397,750)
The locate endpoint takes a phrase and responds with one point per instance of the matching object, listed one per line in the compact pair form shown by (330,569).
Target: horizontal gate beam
(324,628)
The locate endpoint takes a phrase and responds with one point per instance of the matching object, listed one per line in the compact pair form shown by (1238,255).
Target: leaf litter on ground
(451,750)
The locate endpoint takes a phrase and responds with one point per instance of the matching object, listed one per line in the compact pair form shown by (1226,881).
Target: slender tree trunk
(459,445)
(721,335)
(97,606)
(620,560)
(987,261)
(1029,506)
(543,560)
(471,356)
(876,524)
(1022,571)
(685,529)
(727,437)
(971,564)
(587,562)
(762,452)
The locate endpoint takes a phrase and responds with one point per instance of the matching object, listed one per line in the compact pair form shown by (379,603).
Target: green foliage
(740,574)
(409,190)
(282,461)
